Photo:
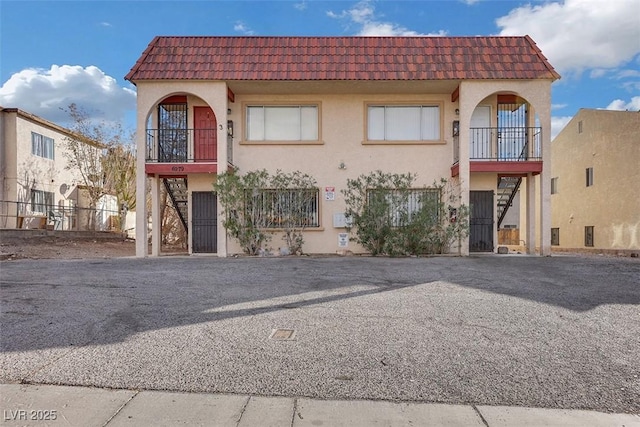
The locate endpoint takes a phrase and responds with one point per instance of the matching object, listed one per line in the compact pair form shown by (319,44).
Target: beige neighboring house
(473,110)
(37,190)
(595,183)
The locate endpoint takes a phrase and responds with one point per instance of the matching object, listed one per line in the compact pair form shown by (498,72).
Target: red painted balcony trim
(515,167)
(180,168)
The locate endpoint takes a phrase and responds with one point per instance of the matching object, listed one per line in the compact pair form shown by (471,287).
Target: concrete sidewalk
(48,405)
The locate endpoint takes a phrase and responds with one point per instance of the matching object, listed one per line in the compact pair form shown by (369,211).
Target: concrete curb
(39,405)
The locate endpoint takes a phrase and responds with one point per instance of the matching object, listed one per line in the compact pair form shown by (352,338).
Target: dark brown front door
(205,138)
(481,221)
(204,229)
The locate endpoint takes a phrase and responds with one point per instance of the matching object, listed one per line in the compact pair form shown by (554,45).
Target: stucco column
(223,161)
(531,215)
(216,95)
(156,221)
(463,162)
(141,187)
(544,232)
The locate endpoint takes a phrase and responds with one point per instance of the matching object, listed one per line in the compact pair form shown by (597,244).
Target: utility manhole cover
(283,334)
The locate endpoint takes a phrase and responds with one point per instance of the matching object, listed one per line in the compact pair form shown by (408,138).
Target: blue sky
(53,53)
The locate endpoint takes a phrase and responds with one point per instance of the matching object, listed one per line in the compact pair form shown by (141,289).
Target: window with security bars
(283,208)
(41,201)
(555,236)
(42,146)
(401,207)
(588,236)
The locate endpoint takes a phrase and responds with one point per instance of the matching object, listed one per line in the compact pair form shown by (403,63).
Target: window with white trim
(41,201)
(282,123)
(403,123)
(42,146)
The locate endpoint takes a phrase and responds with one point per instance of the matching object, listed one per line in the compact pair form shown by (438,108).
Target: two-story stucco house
(595,177)
(473,110)
(37,188)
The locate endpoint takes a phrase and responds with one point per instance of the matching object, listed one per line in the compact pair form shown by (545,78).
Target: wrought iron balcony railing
(514,144)
(181,145)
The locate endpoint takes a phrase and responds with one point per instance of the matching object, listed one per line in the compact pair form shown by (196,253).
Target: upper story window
(42,146)
(282,123)
(403,123)
(554,185)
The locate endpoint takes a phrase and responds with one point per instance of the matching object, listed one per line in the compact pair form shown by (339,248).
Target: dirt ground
(66,249)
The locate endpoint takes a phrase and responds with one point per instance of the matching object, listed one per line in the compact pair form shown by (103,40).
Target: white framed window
(41,201)
(42,146)
(403,123)
(282,123)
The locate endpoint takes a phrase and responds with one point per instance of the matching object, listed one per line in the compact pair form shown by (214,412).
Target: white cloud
(624,74)
(106,24)
(470,2)
(620,105)
(631,86)
(45,92)
(363,16)
(243,28)
(301,6)
(579,34)
(557,124)
(558,106)
(597,73)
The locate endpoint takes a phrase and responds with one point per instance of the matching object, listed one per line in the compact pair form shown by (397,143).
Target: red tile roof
(341,58)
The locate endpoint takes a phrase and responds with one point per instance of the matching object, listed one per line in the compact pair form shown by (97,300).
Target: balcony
(175,152)
(516,150)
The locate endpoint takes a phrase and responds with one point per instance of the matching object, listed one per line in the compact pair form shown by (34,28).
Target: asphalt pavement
(554,333)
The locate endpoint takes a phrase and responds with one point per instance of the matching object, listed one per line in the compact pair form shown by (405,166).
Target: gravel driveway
(558,332)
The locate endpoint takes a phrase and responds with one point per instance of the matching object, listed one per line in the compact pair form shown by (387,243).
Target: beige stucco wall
(342,133)
(610,144)
(538,94)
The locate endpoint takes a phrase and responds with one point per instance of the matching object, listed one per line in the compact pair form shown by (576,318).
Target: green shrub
(258,204)
(388,216)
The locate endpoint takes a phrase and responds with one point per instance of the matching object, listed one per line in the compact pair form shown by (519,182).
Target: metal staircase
(177,190)
(507,189)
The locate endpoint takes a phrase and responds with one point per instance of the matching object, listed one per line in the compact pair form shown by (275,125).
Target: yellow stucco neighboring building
(595,183)
(472,110)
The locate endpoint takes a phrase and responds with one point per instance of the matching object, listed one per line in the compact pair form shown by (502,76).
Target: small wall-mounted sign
(329,193)
(343,240)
